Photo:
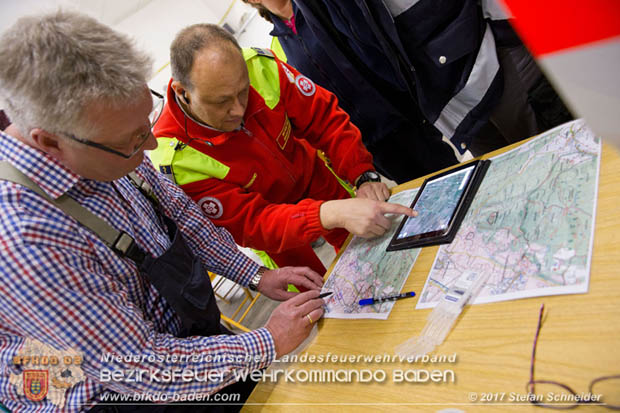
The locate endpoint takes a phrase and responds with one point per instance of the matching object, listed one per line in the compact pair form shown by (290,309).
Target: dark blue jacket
(441,52)
(378,105)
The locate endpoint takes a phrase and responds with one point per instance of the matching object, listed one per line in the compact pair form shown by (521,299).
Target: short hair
(262,10)
(55,64)
(189,41)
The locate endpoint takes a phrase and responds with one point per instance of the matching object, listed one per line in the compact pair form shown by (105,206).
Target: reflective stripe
(491,9)
(397,7)
(264,76)
(188,164)
(341,181)
(266,259)
(482,74)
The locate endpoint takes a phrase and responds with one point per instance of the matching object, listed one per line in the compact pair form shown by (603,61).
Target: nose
(238,108)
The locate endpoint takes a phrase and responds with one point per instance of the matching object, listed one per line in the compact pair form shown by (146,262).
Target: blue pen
(370,301)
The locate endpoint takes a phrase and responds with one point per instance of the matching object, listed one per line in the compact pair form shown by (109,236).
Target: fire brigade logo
(305,85)
(36,384)
(212,207)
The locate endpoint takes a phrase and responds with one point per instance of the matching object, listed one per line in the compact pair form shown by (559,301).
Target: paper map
(366,270)
(531,223)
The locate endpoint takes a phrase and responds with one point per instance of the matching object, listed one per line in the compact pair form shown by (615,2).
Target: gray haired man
(103,289)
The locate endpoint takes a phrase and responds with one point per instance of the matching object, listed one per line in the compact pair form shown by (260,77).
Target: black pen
(327,294)
(369,301)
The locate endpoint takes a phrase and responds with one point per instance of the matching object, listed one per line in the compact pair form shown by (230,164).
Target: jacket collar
(280,28)
(54,178)
(199,134)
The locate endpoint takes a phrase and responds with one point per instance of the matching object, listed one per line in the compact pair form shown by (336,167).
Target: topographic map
(531,224)
(366,270)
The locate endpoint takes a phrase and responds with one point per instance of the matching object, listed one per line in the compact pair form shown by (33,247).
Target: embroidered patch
(305,85)
(289,74)
(212,207)
(263,52)
(284,134)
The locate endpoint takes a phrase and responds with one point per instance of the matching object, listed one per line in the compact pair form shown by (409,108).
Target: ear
(48,142)
(181,91)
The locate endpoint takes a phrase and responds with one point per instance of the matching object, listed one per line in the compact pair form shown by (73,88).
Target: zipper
(247,131)
(278,158)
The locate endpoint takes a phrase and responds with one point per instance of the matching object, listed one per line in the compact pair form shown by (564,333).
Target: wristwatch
(368,176)
(256,279)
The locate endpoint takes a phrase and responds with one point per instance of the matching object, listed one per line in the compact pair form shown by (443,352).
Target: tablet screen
(436,204)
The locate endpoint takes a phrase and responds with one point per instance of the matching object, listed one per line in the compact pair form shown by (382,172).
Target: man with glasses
(140,139)
(103,286)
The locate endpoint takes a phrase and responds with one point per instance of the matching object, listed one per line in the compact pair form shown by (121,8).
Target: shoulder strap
(118,241)
(263,52)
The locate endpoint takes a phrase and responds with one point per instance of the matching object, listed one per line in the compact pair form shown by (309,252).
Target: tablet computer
(441,204)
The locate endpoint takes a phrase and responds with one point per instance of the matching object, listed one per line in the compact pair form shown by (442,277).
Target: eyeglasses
(158,106)
(555,395)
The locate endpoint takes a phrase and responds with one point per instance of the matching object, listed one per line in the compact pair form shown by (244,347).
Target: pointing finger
(387,208)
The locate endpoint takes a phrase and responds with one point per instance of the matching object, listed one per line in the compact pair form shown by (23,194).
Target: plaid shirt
(61,285)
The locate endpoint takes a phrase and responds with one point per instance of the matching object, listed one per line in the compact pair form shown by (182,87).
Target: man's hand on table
(291,322)
(274,283)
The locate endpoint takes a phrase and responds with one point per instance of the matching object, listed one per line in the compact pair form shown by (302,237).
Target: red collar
(196,133)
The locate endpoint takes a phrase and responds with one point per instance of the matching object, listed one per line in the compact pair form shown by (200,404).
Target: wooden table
(580,339)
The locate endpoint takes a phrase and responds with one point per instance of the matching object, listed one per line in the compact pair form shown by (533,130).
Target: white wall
(107,11)
(256,33)
(153,23)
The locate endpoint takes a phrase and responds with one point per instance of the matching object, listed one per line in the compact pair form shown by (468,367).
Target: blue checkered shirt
(61,285)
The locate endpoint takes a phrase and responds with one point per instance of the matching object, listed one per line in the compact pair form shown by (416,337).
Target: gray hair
(54,64)
(191,40)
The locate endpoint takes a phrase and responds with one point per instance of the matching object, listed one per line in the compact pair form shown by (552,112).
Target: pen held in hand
(326,294)
(370,301)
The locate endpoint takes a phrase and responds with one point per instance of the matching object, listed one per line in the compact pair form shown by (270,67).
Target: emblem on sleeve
(305,85)
(212,207)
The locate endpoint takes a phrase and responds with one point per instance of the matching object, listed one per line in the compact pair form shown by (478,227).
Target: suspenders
(120,242)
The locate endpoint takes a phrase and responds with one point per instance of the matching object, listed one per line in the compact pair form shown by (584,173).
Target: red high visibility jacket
(264,182)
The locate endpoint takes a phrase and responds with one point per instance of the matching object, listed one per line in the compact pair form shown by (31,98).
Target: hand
(274,283)
(359,216)
(373,190)
(289,324)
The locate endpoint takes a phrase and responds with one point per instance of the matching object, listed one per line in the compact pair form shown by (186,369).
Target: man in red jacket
(242,133)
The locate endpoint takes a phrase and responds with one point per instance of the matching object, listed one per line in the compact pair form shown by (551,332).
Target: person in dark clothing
(403,144)
(458,65)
